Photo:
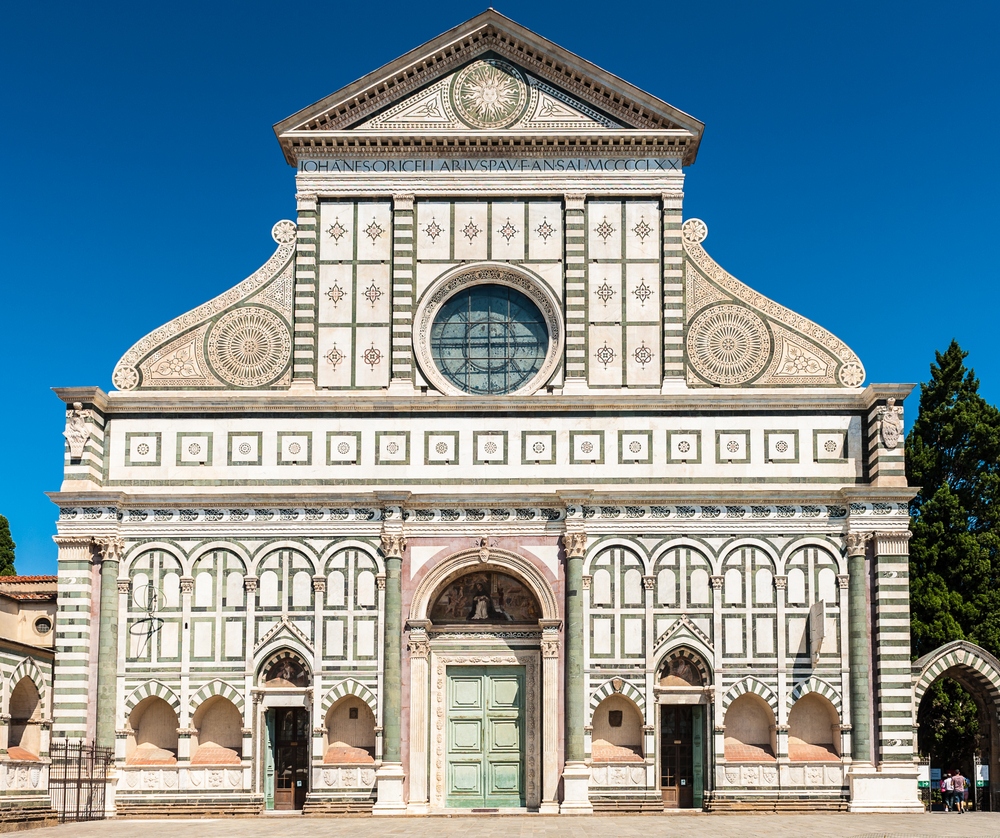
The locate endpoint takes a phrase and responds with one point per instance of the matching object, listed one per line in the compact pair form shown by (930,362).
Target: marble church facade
(490,489)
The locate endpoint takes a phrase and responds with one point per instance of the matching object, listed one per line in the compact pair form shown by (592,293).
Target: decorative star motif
(643,355)
(545,229)
(374,231)
(372,294)
(337,231)
(371,356)
(508,231)
(604,229)
(470,231)
(335,356)
(605,354)
(642,292)
(433,230)
(336,294)
(605,292)
(642,229)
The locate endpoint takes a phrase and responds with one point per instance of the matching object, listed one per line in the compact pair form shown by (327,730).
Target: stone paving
(936,825)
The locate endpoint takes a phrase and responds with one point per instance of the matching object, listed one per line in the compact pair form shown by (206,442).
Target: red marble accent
(801,752)
(151,756)
(738,752)
(603,752)
(20,753)
(212,755)
(345,754)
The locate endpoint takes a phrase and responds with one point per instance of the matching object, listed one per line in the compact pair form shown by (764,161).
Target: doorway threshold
(281,813)
(480,812)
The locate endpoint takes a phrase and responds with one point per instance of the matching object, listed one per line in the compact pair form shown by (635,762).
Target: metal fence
(78,779)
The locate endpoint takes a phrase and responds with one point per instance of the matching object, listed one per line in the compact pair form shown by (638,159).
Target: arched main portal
(484,684)
(978,672)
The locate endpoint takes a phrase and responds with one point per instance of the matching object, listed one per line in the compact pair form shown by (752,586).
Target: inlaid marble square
(539,447)
(244,449)
(490,447)
(392,448)
(781,446)
(194,449)
(732,446)
(142,449)
(635,446)
(441,448)
(471,232)
(342,448)
(830,446)
(294,448)
(683,446)
(586,446)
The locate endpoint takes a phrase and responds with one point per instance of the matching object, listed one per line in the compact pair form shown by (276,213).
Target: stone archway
(978,672)
(530,647)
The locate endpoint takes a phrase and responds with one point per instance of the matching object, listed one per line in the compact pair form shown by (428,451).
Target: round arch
(270,547)
(351,544)
(966,662)
(751,685)
(836,552)
(461,563)
(597,547)
(237,550)
(140,549)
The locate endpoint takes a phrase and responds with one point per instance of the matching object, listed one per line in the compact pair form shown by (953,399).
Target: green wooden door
(485,736)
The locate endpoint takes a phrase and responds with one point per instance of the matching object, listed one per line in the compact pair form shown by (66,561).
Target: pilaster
(71,669)
(419,649)
(403,291)
(306,284)
(575,293)
(550,721)
(673,291)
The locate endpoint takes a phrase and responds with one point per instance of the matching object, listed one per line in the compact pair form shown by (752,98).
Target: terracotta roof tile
(20,753)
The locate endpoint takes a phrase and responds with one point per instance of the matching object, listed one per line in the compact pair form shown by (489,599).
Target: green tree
(953,456)
(6,549)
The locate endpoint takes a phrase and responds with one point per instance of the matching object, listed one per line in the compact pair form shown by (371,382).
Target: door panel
(291,757)
(485,736)
(677,756)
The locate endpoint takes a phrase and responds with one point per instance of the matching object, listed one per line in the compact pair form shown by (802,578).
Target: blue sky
(849,170)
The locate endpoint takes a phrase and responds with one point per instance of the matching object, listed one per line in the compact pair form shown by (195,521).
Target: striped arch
(815,685)
(284,651)
(27,668)
(751,685)
(349,687)
(212,689)
(960,659)
(152,688)
(627,690)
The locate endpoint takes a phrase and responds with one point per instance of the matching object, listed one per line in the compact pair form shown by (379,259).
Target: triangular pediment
(489,74)
(489,94)
(287,631)
(681,631)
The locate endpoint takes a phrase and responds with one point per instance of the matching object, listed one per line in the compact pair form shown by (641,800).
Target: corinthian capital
(111,548)
(856,542)
(575,544)
(393,545)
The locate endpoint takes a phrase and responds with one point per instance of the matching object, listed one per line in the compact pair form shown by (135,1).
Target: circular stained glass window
(489,339)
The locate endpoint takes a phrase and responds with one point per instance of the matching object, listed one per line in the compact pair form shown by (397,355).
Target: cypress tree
(953,455)
(6,549)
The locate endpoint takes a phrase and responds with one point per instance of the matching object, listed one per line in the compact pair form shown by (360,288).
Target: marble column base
(890,788)
(389,783)
(548,809)
(576,790)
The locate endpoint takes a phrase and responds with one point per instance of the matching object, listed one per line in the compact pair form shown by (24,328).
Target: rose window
(489,340)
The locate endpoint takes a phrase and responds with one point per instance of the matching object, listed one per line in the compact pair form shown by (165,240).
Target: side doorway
(682,756)
(287,761)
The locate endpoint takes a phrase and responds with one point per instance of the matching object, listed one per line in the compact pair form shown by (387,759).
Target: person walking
(947,788)
(959,788)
